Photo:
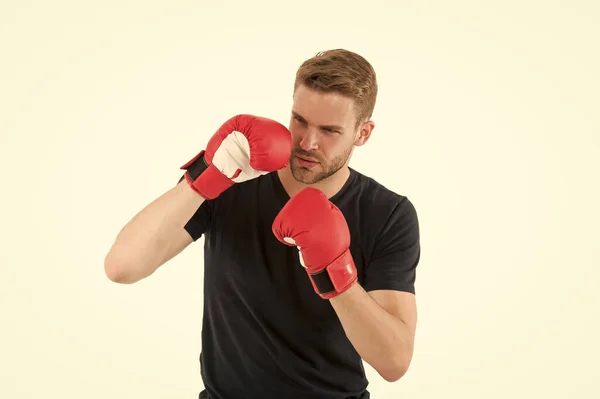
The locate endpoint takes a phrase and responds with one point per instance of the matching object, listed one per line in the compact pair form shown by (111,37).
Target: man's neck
(329,186)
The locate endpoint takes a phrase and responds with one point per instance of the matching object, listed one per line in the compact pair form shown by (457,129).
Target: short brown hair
(344,72)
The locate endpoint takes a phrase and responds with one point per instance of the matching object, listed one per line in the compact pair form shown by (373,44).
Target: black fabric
(265,332)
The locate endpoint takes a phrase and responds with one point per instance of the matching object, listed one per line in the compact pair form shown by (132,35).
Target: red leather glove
(318,228)
(243,148)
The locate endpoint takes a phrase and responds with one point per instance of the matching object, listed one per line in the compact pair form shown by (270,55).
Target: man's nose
(309,140)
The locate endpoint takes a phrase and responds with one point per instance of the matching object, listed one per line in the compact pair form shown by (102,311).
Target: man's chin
(304,175)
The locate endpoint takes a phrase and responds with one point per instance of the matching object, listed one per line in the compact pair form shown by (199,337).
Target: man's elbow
(118,271)
(394,371)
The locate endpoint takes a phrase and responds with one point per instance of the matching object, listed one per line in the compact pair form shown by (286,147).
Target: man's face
(324,132)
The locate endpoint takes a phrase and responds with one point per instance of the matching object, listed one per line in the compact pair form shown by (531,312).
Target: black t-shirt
(265,331)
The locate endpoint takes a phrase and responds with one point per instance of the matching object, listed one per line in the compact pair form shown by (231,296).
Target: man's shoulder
(379,202)
(376,191)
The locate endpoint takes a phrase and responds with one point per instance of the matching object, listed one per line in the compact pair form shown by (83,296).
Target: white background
(487,119)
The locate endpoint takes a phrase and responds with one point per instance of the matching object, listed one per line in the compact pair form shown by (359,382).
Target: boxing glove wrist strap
(195,167)
(205,179)
(335,278)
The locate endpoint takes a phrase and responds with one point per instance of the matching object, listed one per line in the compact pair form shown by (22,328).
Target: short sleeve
(395,252)
(200,220)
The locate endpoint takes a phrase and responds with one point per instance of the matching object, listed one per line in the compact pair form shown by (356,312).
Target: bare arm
(381,325)
(156,234)
(153,236)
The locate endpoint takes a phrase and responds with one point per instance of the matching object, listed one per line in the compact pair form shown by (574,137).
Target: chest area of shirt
(245,236)
(247,264)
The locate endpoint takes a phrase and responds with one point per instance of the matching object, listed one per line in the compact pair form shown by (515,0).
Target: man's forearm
(381,339)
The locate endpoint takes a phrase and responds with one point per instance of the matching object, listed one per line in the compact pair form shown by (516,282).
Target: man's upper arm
(181,241)
(400,304)
(390,271)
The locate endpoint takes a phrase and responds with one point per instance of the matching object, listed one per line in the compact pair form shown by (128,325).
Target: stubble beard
(308,176)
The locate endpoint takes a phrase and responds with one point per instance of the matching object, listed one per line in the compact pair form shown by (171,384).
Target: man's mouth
(307,159)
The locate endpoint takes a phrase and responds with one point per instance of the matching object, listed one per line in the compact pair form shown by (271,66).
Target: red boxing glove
(318,228)
(244,147)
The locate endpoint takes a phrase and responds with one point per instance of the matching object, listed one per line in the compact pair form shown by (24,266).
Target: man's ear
(364,133)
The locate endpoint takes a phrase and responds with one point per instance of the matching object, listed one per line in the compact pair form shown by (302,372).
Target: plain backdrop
(487,119)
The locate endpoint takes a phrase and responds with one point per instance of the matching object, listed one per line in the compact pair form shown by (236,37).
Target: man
(309,265)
